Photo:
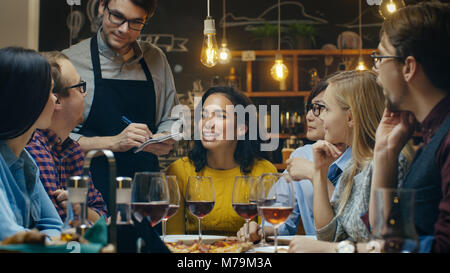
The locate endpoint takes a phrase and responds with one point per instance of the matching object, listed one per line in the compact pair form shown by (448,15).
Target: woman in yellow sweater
(223,159)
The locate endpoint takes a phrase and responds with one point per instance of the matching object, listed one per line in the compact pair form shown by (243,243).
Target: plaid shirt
(57,162)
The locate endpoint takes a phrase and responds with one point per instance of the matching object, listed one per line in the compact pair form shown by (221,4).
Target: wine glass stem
(164,229)
(199,230)
(247,235)
(276,239)
(263,240)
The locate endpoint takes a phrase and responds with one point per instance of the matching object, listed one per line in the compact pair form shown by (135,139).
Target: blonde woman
(354,104)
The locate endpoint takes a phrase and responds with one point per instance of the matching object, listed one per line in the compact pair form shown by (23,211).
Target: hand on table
(302,244)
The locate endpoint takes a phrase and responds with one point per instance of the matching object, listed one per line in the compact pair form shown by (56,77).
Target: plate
(270,249)
(286,239)
(189,239)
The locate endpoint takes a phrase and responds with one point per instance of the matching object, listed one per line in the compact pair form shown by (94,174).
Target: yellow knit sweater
(222,220)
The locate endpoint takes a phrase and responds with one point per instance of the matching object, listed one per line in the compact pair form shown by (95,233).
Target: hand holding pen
(132,136)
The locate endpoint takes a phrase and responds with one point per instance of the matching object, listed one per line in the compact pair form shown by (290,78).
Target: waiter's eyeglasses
(118,20)
(82,84)
(316,108)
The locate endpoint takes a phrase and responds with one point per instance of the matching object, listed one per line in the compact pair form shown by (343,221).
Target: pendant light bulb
(388,7)
(210,52)
(279,70)
(361,65)
(224,54)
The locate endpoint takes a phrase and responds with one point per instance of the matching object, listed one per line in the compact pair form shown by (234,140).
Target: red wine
(172,210)
(200,208)
(276,215)
(155,210)
(246,210)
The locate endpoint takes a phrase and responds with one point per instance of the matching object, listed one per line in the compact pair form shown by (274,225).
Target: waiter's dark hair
(25,83)
(247,151)
(148,5)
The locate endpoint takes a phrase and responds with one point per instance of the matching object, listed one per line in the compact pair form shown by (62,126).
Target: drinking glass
(150,196)
(174,201)
(278,205)
(244,199)
(123,200)
(394,220)
(77,189)
(200,198)
(265,183)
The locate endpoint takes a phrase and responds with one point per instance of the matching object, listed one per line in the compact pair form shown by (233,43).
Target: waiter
(125,77)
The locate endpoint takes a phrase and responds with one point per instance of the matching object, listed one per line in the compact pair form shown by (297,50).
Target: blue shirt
(303,190)
(24,203)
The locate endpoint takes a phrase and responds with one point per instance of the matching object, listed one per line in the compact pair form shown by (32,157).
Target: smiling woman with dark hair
(223,159)
(26,103)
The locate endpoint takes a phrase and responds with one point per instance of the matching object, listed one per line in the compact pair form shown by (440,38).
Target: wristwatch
(346,247)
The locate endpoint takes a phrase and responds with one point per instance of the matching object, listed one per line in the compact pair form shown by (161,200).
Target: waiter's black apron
(112,100)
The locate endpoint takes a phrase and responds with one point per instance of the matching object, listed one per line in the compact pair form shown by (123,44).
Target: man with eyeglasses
(412,66)
(55,153)
(125,78)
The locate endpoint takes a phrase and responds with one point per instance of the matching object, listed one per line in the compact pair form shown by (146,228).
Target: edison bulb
(361,66)
(388,7)
(209,55)
(279,70)
(224,54)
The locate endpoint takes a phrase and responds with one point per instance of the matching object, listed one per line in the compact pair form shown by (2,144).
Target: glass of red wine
(200,198)
(150,196)
(277,205)
(174,202)
(265,183)
(244,199)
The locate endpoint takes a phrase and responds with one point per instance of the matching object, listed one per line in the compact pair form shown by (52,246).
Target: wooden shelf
(302,135)
(294,68)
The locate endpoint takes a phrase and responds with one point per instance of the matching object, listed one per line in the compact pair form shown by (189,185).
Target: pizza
(230,245)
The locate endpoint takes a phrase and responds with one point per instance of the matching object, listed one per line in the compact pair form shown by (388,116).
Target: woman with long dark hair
(221,158)
(26,103)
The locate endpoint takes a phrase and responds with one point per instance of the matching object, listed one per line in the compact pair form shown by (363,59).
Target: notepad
(157,140)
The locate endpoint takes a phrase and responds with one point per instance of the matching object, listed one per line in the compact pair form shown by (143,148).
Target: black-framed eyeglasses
(118,20)
(316,108)
(377,58)
(82,84)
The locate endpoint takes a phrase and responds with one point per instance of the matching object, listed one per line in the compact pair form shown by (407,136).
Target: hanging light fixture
(361,66)
(224,52)
(209,54)
(387,7)
(279,70)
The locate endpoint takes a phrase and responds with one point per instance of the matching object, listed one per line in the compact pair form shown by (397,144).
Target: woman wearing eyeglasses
(26,103)
(299,168)
(354,104)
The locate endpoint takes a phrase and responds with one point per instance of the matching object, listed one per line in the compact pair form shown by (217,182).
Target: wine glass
(244,199)
(278,205)
(174,203)
(394,221)
(150,196)
(265,183)
(200,198)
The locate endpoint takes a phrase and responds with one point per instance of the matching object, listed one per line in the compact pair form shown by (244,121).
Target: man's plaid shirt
(57,162)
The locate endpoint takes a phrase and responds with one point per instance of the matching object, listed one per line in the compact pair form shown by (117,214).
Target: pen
(127,121)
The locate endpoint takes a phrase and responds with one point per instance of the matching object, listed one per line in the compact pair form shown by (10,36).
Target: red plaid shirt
(57,162)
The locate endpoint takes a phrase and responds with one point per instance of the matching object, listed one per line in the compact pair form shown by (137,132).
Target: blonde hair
(358,92)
